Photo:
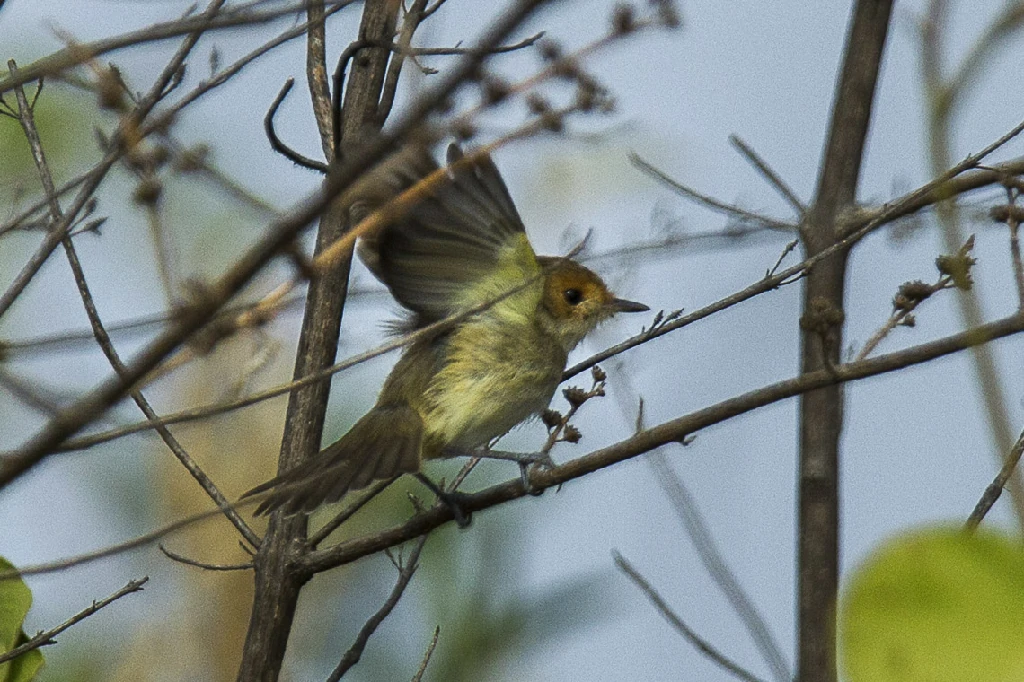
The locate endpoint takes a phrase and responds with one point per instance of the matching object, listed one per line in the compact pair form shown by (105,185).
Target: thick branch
(277,586)
(821,412)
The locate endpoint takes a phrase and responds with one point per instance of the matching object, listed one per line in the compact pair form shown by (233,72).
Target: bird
(461,250)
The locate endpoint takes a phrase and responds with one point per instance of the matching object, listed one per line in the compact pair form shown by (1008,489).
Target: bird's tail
(384,444)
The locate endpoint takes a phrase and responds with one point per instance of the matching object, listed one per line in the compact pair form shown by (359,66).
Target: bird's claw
(455,501)
(539,460)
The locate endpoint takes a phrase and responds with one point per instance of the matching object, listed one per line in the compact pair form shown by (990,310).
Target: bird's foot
(527,461)
(535,460)
(455,501)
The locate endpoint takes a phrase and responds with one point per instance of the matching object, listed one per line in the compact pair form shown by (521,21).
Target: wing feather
(458,246)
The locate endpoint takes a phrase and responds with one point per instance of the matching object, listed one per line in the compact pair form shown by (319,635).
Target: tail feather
(384,444)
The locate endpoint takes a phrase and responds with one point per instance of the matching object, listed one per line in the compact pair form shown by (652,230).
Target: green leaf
(15,601)
(937,605)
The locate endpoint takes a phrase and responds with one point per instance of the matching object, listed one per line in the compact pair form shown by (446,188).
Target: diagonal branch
(355,652)
(770,175)
(279,237)
(710,202)
(719,570)
(995,488)
(47,637)
(692,637)
(316,74)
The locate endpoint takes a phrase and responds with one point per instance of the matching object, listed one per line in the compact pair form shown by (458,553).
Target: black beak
(621,305)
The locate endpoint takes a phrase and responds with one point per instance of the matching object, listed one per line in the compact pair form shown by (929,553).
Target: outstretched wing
(461,246)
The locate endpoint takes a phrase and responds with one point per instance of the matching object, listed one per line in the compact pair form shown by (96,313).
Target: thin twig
(48,637)
(682,628)
(943,100)
(711,202)
(174,556)
(1013,222)
(770,175)
(280,235)
(355,652)
(454,51)
(418,677)
(275,142)
(903,309)
(714,562)
(411,21)
(194,160)
(81,53)
(115,151)
(220,408)
(28,392)
(667,432)
(858,228)
(897,208)
(161,121)
(348,512)
(464,473)
(995,488)
(786,250)
(316,74)
(711,557)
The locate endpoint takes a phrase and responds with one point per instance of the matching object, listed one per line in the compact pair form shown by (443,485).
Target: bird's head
(576,300)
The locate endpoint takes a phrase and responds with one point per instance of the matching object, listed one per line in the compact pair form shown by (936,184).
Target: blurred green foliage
(938,605)
(15,601)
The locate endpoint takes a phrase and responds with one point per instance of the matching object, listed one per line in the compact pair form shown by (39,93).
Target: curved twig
(275,142)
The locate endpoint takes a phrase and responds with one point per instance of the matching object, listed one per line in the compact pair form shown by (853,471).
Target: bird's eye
(572,296)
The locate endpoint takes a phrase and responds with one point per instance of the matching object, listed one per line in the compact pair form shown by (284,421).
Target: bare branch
(702,645)
(710,202)
(28,392)
(1012,218)
(279,237)
(347,513)
(316,75)
(667,432)
(942,97)
(995,488)
(771,176)
(904,205)
(48,637)
(174,556)
(906,301)
(821,335)
(671,431)
(413,17)
(95,177)
(355,652)
(275,142)
(102,338)
(85,52)
(696,528)
(426,655)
